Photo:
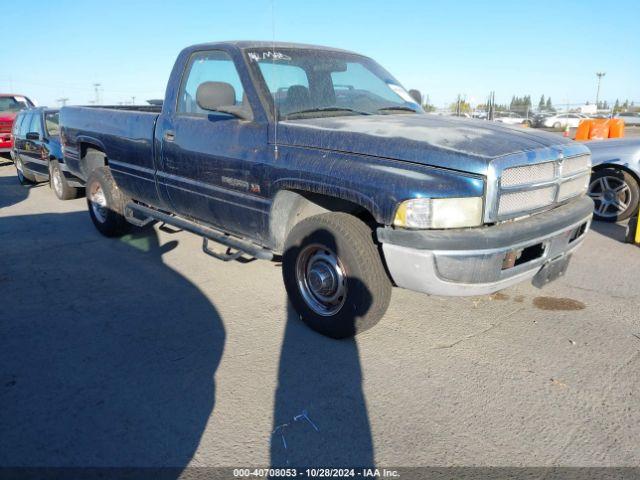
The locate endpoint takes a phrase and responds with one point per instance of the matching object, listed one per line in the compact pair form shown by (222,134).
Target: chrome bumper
(483,260)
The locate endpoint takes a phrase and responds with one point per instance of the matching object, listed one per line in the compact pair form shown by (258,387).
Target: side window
(36,124)
(213,66)
(16,125)
(24,126)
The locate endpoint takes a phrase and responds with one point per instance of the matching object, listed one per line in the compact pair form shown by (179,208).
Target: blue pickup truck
(320,156)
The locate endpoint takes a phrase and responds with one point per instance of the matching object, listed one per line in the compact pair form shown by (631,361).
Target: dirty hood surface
(460,144)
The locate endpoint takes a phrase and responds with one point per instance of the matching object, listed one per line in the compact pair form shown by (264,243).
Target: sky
(440,48)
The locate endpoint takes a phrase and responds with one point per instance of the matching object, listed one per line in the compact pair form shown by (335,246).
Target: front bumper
(479,261)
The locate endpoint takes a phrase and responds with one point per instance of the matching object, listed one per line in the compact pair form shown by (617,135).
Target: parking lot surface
(142,351)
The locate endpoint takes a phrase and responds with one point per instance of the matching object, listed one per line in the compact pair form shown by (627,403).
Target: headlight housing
(439,213)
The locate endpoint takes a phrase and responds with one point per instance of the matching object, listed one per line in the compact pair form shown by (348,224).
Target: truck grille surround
(520,190)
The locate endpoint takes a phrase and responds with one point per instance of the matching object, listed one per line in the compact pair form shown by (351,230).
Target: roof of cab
(245,44)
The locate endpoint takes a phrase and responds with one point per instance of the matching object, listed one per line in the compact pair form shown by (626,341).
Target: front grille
(574,187)
(511,203)
(525,189)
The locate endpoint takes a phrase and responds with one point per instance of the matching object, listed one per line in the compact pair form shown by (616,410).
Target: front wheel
(334,275)
(557,125)
(615,194)
(106,203)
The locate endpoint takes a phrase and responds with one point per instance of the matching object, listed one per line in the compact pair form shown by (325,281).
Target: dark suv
(37,152)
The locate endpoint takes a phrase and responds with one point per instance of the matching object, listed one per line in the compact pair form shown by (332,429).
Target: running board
(150,214)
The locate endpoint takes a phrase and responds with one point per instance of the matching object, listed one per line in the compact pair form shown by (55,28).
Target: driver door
(213,163)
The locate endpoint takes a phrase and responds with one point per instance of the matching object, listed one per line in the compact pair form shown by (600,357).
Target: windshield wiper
(326,109)
(399,107)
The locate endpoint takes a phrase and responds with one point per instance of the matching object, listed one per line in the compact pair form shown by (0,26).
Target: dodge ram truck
(320,157)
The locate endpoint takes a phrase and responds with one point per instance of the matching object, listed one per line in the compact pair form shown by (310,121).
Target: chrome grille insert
(573,187)
(574,165)
(516,188)
(541,172)
(511,203)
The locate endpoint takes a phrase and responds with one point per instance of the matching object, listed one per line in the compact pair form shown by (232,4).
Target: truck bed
(125,135)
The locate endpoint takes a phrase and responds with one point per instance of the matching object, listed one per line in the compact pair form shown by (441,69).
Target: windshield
(13,104)
(307,83)
(52,123)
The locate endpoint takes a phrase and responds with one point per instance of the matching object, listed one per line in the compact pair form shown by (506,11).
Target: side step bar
(243,246)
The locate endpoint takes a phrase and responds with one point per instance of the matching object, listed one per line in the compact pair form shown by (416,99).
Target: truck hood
(460,144)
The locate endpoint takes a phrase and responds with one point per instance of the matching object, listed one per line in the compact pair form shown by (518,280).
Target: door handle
(169,136)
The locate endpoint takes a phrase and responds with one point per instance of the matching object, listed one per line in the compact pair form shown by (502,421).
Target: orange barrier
(582,133)
(600,129)
(616,128)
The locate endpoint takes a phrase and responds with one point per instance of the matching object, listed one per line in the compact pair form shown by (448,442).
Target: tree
(549,104)
(465,107)
(616,106)
(541,103)
(427,107)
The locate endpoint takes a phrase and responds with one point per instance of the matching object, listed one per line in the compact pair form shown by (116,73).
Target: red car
(10,105)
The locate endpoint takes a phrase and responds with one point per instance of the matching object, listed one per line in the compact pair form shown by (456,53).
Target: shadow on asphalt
(615,231)
(320,413)
(108,355)
(12,191)
(109,358)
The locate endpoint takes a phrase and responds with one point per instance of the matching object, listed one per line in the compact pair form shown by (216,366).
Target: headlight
(439,213)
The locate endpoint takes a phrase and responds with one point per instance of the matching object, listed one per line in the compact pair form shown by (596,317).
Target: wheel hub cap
(98,203)
(321,279)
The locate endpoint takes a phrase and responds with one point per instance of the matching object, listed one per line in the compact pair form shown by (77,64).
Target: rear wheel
(334,275)
(59,183)
(557,125)
(615,194)
(23,177)
(106,203)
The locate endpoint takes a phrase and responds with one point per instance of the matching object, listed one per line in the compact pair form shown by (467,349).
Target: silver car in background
(615,178)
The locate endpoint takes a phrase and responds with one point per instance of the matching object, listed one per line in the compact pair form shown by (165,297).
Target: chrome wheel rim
(57,182)
(321,279)
(98,202)
(611,196)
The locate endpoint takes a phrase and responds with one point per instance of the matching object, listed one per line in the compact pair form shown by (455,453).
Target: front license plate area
(551,271)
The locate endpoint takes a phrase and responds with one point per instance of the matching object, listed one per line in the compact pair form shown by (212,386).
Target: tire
(23,178)
(557,125)
(356,295)
(615,193)
(106,203)
(59,184)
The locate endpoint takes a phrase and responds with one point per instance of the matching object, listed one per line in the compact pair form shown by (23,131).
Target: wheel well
(91,164)
(615,166)
(292,206)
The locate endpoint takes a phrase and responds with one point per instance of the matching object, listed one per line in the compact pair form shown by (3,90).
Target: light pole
(599,75)
(96,87)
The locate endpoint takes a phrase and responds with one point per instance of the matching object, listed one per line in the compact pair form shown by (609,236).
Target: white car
(630,118)
(564,119)
(510,118)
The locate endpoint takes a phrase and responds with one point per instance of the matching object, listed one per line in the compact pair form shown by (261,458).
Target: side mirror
(416,95)
(213,95)
(33,136)
(219,97)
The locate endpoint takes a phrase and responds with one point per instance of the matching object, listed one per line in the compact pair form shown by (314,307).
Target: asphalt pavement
(142,351)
